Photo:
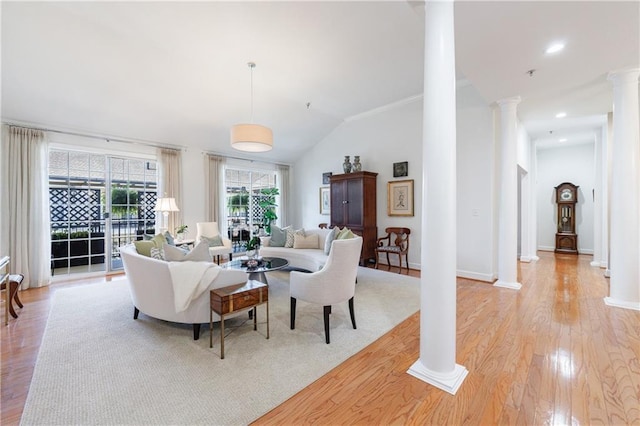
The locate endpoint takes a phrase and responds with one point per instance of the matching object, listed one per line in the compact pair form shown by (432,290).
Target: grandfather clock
(566,237)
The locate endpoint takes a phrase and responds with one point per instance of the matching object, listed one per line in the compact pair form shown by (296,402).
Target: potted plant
(253,245)
(181,232)
(269,205)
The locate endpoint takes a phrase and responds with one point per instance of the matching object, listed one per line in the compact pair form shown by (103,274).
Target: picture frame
(401,169)
(400,198)
(326,178)
(325,200)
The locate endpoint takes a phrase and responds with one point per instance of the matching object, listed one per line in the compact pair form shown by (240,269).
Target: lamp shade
(166,205)
(251,138)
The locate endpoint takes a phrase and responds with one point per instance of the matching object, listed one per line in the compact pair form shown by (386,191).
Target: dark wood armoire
(353,204)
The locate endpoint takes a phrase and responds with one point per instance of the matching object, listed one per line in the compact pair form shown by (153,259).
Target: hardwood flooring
(552,352)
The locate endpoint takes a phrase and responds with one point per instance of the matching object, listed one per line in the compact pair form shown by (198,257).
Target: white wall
(475,181)
(573,164)
(380,140)
(396,135)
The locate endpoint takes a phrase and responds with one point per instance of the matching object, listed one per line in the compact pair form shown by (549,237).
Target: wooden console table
(234,298)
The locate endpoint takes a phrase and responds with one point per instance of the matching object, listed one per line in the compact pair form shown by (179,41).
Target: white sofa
(312,259)
(152,290)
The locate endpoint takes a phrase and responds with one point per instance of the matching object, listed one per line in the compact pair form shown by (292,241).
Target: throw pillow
(213,241)
(278,236)
(290,236)
(308,242)
(345,234)
(329,239)
(159,240)
(169,238)
(147,237)
(200,253)
(157,253)
(144,247)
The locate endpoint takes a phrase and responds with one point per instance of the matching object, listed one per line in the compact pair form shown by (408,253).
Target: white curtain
(24,208)
(214,193)
(285,193)
(170,183)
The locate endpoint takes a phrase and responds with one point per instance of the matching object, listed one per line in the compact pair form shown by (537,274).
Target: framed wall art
(401,169)
(325,200)
(326,178)
(400,198)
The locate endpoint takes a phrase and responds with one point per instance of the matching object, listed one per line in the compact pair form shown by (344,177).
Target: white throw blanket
(190,280)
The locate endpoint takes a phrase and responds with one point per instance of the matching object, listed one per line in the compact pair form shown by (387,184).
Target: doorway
(97,203)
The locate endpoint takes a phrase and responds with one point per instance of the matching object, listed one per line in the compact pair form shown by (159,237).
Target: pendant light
(251,137)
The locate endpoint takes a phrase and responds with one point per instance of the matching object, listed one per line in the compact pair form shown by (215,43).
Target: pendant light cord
(251,67)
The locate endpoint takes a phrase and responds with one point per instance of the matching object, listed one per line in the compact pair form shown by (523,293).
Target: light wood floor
(551,353)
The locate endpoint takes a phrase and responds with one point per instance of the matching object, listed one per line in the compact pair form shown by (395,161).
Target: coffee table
(266,264)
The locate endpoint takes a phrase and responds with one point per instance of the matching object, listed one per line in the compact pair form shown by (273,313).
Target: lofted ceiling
(176,72)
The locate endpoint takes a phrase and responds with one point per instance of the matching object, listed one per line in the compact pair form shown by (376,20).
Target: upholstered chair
(334,283)
(395,242)
(210,231)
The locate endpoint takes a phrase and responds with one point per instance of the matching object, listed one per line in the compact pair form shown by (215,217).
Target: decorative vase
(357,167)
(251,254)
(346,166)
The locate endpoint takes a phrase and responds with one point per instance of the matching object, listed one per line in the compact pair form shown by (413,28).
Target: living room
(363,105)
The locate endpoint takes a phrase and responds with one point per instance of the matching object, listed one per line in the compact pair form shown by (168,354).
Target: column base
(525,259)
(607,273)
(622,304)
(505,284)
(595,263)
(447,382)
(535,258)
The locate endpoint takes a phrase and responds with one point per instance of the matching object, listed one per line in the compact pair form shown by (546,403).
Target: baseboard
(475,276)
(546,248)
(622,304)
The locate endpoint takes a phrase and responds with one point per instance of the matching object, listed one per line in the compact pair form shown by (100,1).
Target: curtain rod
(96,136)
(252,160)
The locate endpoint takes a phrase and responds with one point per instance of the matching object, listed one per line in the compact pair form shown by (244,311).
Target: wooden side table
(234,298)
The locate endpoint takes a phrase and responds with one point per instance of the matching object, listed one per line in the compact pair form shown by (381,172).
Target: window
(82,187)
(247,193)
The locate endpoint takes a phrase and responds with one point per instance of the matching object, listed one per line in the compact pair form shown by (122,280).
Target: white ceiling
(176,73)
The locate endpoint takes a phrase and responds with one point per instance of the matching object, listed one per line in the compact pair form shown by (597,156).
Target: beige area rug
(99,366)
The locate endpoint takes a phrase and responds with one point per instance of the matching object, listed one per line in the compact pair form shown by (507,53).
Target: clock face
(566,195)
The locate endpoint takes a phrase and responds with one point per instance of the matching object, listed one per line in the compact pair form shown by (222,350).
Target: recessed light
(563,140)
(555,48)
(561,115)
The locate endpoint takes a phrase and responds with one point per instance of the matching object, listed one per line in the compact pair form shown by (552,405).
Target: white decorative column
(624,289)
(437,364)
(508,213)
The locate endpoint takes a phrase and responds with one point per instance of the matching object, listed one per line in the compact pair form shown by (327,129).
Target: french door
(97,203)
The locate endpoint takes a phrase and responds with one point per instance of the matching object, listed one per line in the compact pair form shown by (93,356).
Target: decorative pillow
(144,247)
(345,234)
(290,234)
(213,241)
(147,237)
(157,253)
(159,240)
(308,242)
(329,239)
(278,236)
(200,253)
(169,238)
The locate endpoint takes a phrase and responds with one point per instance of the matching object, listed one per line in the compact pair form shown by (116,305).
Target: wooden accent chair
(10,284)
(334,283)
(395,242)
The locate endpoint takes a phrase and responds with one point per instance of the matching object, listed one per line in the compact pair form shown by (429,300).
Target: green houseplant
(269,205)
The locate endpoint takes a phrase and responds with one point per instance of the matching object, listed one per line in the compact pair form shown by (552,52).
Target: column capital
(514,100)
(626,74)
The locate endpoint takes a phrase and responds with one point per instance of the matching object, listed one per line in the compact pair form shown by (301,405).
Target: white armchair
(334,283)
(211,230)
